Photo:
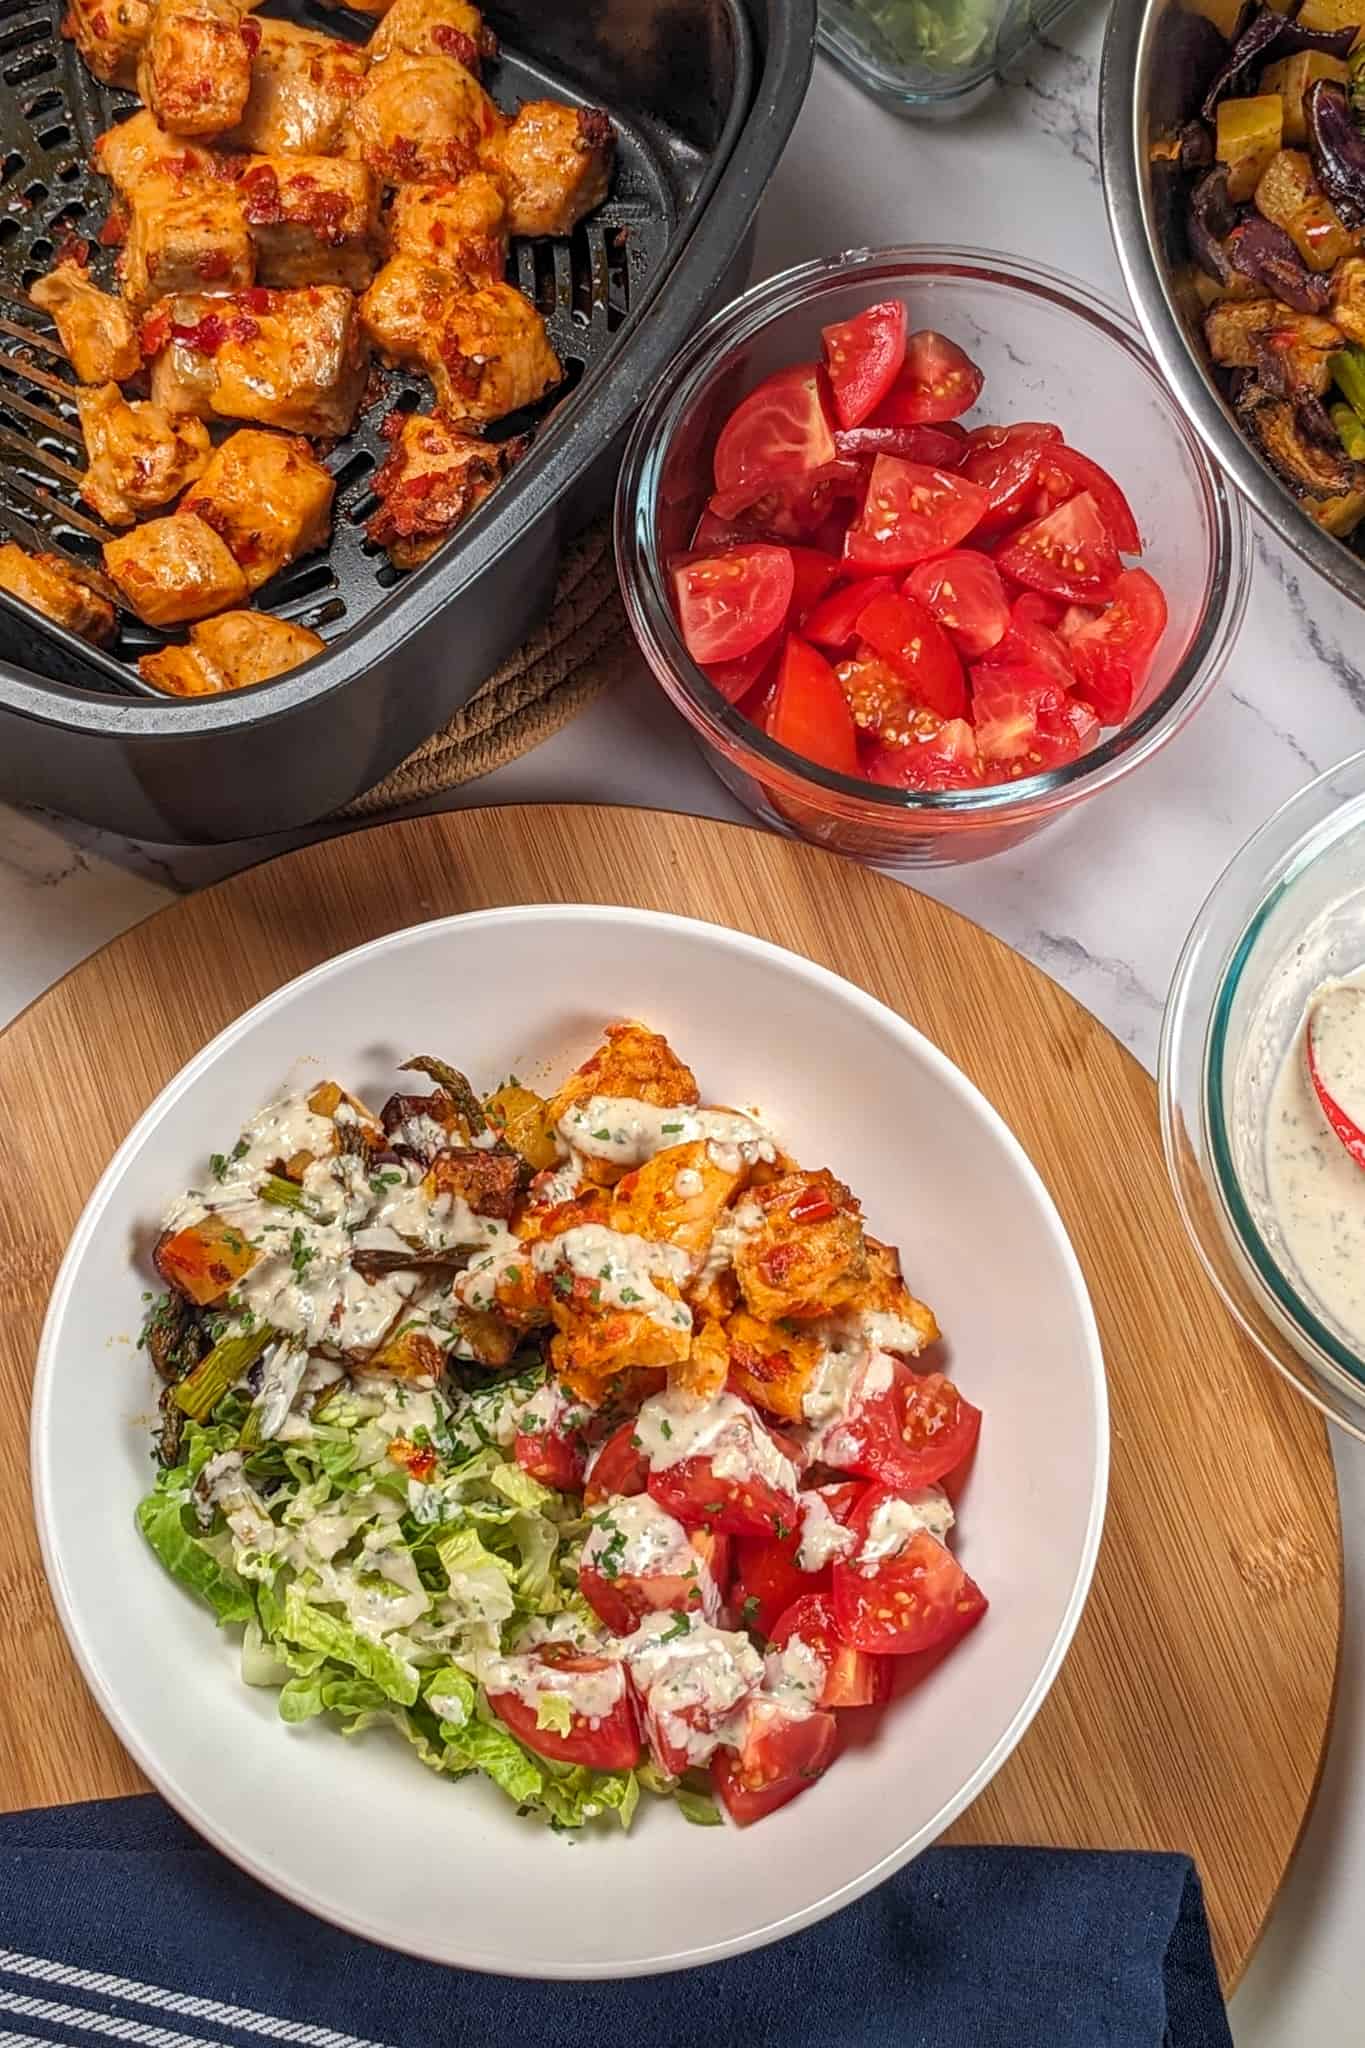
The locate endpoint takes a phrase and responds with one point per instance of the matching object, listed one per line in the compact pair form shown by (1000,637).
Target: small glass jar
(931,57)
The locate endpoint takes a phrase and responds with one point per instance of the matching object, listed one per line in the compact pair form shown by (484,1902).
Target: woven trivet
(583,647)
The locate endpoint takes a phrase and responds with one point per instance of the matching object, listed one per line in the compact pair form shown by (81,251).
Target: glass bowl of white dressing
(1271,1196)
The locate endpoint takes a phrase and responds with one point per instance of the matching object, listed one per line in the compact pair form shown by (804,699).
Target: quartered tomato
(1116,514)
(729,603)
(624,1599)
(902,632)
(938,382)
(910,1435)
(834,621)
(812,574)
(1004,461)
(918,1599)
(863,357)
(810,712)
(1023,718)
(782,1753)
(963,591)
(768,1579)
(942,447)
(944,758)
(779,434)
(1030,642)
(910,512)
(1113,653)
(740,1505)
(556,1457)
(1069,554)
(601,1742)
(852,1677)
(620,1468)
(735,679)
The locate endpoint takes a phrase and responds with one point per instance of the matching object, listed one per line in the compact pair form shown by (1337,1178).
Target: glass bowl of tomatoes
(920,546)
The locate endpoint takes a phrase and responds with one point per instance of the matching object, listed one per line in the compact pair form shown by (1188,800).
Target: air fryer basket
(703,97)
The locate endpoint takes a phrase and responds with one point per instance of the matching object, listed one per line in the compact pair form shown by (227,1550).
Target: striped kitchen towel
(118,1925)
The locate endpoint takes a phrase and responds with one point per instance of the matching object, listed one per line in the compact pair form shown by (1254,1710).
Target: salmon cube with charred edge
(404,310)
(807,1254)
(173,570)
(109,35)
(184,237)
(457,225)
(431,480)
(488,1182)
(594,1340)
(556,163)
(770,1365)
(886,1294)
(707,1365)
(648,1201)
(269,498)
(230,652)
(446,28)
(313,219)
(420,118)
(140,148)
(137,456)
(303,86)
(57,589)
(194,71)
(295,360)
(95,329)
(494,356)
(633,1062)
(205,1260)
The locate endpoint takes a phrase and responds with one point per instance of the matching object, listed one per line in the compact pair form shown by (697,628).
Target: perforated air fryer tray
(52,109)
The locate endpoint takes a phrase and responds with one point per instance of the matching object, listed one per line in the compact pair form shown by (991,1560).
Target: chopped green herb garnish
(628,1295)
(603,1136)
(665,1428)
(218,1165)
(681,1626)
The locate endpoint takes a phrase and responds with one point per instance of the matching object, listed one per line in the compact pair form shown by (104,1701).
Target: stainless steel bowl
(1143,96)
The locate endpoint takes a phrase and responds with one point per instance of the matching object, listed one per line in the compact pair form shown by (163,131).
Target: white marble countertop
(1102,901)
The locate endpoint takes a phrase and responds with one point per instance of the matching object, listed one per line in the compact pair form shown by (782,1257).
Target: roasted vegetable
(523,1119)
(173,1337)
(1250,131)
(1350,429)
(205,1259)
(1264,253)
(1291,78)
(215,1375)
(489,1182)
(1340,17)
(1238,335)
(375,1265)
(1262,34)
(1337,148)
(1291,196)
(456,1087)
(1316,473)
(1348,371)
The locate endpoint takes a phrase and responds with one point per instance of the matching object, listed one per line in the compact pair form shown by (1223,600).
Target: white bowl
(357,1831)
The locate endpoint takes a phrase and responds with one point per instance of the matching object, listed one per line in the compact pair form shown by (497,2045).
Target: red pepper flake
(114,231)
(212,263)
(155,331)
(100,23)
(418,1460)
(814,1206)
(251,35)
(71,247)
(453,42)
(257,298)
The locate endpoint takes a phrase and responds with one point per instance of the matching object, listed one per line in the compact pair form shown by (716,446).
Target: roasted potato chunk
(1348,298)
(484,1338)
(421,118)
(771,1366)
(314,220)
(807,1255)
(57,589)
(431,480)
(455,224)
(230,652)
(1249,132)
(1238,334)
(303,86)
(676,1197)
(109,35)
(183,237)
(1289,194)
(269,498)
(556,161)
(295,360)
(172,570)
(194,71)
(902,1323)
(488,1182)
(94,328)
(408,1352)
(521,1117)
(205,1260)
(138,457)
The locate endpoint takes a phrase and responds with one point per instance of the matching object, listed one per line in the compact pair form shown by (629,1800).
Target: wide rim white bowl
(83,1529)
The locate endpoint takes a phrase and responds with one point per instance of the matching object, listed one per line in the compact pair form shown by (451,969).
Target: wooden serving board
(1193,1710)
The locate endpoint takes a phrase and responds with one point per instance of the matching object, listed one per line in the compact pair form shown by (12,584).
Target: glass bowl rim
(1305,851)
(651,614)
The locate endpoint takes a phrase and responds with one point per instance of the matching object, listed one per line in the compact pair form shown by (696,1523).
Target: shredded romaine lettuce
(370,1598)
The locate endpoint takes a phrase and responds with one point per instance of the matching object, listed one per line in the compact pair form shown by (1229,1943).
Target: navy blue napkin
(118,1924)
